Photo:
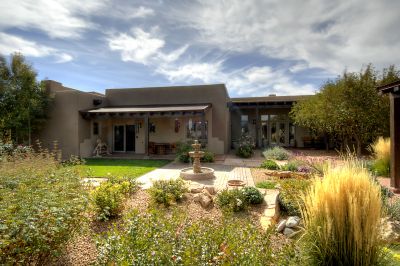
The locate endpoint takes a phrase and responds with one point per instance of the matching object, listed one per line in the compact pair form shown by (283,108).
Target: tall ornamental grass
(342,215)
(381,151)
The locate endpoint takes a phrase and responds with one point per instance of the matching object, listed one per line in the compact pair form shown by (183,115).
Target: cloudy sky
(255,47)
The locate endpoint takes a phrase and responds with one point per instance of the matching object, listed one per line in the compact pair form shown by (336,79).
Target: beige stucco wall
(65,125)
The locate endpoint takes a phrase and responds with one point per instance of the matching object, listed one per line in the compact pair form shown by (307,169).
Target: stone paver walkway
(269,216)
(223,173)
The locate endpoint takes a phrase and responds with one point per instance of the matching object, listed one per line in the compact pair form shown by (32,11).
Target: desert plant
(246,146)
(290,193)
(342,214)
(42,206)
(266,184)
(154,238)
(270,164)
(108,199)
(208,157)
(182,152)
(393,209)
(232,200)
(276,153)
(252,195)
(292,166)
(168,192)
(381,151)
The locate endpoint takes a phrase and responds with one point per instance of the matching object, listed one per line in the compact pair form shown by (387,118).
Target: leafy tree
(349,108)
(23,100)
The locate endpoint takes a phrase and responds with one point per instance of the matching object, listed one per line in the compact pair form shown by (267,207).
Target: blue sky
(255,47)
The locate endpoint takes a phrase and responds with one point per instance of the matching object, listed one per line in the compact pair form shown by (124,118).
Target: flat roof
(293,98)
(149,109)
(393,87)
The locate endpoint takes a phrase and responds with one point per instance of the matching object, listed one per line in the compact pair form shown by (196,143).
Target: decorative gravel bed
(81,250)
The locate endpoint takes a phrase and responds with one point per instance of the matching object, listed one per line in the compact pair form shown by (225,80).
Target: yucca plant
(342,214)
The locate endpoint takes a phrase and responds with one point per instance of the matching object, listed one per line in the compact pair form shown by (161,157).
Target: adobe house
(152,120)
(394,94)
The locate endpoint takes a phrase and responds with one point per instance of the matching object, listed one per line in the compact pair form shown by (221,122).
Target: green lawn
(118,167)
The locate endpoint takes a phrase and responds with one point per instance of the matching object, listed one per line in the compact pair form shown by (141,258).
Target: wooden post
(146,135)
(395,141)
(203,128)
(257,128)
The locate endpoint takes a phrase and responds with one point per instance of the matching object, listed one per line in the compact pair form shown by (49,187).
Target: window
(244,123)
(95,128)
(194,129)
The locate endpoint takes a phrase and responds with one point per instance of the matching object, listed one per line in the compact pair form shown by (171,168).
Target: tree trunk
(358,143)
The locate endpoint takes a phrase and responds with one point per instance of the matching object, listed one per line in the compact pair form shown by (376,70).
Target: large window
(194,129)
(244,123)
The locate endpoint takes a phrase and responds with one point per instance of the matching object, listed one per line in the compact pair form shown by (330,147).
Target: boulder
(211,190)
(196,198)
(196,189)
(205,201)
(281,226)
(288,232)
(292,221)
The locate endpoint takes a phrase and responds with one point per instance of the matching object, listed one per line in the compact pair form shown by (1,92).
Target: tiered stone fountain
(197,172)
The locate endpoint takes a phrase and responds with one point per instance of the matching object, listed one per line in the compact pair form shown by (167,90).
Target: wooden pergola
(393,89)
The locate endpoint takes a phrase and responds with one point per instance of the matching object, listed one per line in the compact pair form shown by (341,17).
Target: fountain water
(197,172)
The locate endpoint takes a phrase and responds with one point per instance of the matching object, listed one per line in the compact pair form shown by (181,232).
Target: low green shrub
(154,238)
(182,152)
(252,195)
(108,199)
(232,200)
(73,161)
(276,153)
(208,157)
(246,146)
(168,192)
(291,166)
(270,165)
(42,206)
(267,184)
(381,152)
(393,209)
(381,168)
(289,197)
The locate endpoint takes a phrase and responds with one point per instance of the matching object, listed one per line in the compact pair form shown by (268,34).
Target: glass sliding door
(130,138)
(124,138)
(119,138)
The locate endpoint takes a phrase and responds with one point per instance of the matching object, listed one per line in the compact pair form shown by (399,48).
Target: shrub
(266,184)
(270,164)
(289,197)
(246,146)
(342,214)
(42,205)
(208,157)
(381,151)
(252,195)
(291,166)
(154,238)
(168,191)
(393,209)
(182,152)
(73,161)
(108,199)
(232,200)
(276,153)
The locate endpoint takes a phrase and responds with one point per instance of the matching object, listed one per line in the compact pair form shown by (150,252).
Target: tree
(349,108)
(23,100)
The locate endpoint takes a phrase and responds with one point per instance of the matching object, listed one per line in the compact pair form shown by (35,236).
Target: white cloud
(139,48)
(326,34)
(58,19)
(192,72)
(140,12)
(10,44)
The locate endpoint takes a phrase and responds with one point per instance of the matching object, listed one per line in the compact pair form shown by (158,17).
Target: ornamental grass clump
(381,151)
(342,214)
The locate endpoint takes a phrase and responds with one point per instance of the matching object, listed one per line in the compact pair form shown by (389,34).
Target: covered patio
(148,130)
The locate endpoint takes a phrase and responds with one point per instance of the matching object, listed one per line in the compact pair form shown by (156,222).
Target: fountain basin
(206,173)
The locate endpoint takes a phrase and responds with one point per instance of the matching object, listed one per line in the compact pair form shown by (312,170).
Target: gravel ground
(81,250)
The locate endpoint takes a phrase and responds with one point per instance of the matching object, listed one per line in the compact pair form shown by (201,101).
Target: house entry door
(277,134)
(124,138)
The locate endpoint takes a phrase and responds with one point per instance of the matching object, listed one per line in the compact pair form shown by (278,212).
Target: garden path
(223,173)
